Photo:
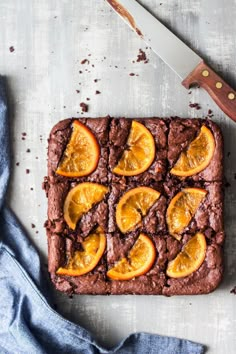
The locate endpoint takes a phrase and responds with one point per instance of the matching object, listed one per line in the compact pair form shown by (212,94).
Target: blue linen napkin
(28,324)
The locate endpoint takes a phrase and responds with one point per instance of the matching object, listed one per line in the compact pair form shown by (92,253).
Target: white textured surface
(50,39)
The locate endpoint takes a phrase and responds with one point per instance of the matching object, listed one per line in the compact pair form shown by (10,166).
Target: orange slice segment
(140,153)
(81,155)
(139,261)
(197,156)
(189,259)
(80,200)
(182,208)
(133,205)
(86,260)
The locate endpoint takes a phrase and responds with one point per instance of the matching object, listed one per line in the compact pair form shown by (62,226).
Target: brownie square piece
(118,136)
(60,248)
(152,222)
(59,138)
(202,281)
(181,133)
(209,216)
(119,246)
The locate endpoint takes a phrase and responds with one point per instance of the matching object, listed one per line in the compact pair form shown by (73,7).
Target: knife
(189,66)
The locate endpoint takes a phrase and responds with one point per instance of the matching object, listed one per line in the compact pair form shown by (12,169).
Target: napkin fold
(28,324)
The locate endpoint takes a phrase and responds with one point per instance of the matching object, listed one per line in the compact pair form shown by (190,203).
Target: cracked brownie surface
(171,137)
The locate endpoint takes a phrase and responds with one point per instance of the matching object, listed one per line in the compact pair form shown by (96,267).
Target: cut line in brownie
(171,136)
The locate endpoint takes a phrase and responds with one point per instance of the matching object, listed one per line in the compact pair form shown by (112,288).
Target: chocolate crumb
(189,92)
(36,232)
(22,138)
(233,291)
(227,184)
(17,164)
(36,157)
(77,91)
(131,74)
(24,134)
(142,57)
(84,61)
(80,72)
(97,92)
(195,105)
(95,80)
(25,67)
(88,99)
(11,49)
(28,150)
(33,226)
(31,188)
(84,107)
(27,171)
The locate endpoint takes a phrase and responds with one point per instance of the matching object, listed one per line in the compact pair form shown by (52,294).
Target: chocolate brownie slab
(171,137)
(181,133)
(118,136)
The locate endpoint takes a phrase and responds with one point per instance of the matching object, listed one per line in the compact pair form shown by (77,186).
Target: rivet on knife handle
(219,90)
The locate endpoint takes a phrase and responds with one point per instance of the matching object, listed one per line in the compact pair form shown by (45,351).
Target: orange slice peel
(84,261)
(189,259)
(80,200)
(140,153)
(133,205)
(81,155)
(139,261)
(197,156)
(182,208)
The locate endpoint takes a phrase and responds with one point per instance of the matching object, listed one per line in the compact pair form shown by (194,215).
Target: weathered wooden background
(50,38)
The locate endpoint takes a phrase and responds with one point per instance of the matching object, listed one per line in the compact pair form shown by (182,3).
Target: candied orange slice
(139,261)
(197,156)
(182,208)
(189,259)
(140,153)
(133,205)
(81,155)
(86,260)
(80,200)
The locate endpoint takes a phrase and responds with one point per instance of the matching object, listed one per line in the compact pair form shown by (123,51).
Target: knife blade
(189,66)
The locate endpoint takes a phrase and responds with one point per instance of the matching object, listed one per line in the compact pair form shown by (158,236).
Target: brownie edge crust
(172,136)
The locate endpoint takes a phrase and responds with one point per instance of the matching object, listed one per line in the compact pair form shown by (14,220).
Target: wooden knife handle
(219,90)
